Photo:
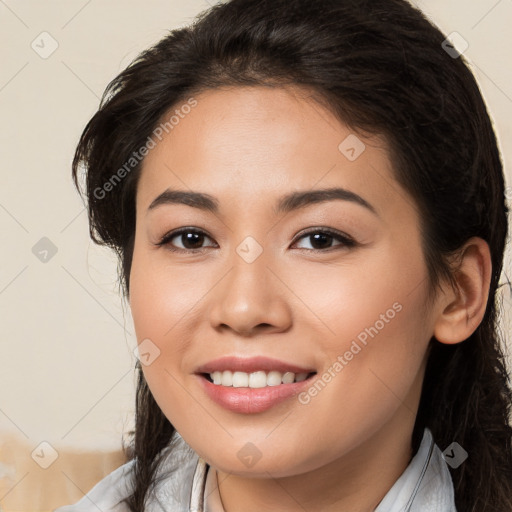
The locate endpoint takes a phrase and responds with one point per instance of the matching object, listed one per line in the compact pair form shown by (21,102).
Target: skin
(247,146)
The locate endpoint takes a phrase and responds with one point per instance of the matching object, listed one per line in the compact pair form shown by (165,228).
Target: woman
(277,373)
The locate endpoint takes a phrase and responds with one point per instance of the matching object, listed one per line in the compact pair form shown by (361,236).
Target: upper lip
(251,364)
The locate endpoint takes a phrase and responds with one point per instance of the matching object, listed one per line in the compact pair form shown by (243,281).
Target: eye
(191,239)
(322,238)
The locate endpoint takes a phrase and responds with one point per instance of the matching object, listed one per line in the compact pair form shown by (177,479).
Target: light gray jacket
(425,485)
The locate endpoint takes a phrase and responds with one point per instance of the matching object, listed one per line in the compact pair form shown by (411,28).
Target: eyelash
(346,240)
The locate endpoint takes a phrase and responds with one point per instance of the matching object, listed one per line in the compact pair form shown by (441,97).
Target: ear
(461,309)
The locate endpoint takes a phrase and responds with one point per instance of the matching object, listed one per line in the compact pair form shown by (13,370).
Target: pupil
(193,237)
(321,237)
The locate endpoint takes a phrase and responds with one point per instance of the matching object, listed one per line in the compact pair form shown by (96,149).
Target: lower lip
(252,400)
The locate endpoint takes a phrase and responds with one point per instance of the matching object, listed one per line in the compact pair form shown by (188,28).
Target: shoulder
(107,494)
(173,484)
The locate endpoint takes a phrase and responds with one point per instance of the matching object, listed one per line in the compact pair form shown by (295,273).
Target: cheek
(371,330)
(382,291)
(165,303)
(162,296)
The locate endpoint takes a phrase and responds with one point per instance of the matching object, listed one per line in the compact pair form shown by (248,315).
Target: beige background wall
(66,338)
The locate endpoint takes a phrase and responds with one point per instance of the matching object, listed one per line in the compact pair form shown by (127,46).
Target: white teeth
(288,378)
(274,378)
(240,380)
(259,379)
(226,378)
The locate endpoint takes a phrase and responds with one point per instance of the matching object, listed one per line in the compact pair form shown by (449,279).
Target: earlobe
(461,309)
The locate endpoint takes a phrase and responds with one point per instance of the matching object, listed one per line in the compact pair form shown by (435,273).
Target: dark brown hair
(381,67)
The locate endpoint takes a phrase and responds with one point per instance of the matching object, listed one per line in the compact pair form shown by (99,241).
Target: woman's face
(336,286)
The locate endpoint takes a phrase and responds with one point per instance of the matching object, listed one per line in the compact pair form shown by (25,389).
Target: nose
(250,299)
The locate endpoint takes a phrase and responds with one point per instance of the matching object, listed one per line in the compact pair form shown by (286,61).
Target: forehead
(260,141)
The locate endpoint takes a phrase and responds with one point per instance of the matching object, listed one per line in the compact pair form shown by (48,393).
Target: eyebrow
(287,203)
